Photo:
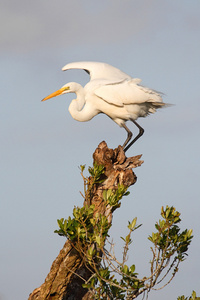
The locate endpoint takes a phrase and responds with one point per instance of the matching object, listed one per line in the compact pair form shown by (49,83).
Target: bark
(64,281)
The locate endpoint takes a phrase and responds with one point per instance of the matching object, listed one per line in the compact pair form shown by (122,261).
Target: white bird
(112,92)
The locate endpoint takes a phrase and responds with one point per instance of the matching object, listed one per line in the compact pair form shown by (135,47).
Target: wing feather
(127,92)
(98,70)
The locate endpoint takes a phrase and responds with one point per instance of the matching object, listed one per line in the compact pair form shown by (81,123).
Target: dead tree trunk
(65,278)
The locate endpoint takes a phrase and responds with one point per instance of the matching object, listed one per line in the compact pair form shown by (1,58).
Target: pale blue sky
(42,146)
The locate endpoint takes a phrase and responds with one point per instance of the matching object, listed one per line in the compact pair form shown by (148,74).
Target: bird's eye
(65,88)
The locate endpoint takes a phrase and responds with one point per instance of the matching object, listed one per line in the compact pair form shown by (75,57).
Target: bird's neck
(79,109)
(78,103)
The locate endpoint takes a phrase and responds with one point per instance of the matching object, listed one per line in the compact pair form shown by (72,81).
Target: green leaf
(123,238)
(82,168)
(127,193)
(167,212)
(194,295)
(105,198)
(132,269)
(125,269)
(189,233)
(91,251)
(98,240)
(133,223)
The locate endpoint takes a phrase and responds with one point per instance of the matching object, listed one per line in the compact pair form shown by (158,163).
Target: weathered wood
(64,281)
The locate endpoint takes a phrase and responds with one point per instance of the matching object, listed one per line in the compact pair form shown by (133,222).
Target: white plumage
(112,92)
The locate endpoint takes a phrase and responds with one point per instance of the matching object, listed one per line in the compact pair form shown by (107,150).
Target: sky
(42,146)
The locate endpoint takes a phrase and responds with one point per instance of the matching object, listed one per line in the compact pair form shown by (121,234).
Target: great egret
(112,92)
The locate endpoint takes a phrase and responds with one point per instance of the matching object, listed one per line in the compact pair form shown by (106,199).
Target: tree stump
(64,281)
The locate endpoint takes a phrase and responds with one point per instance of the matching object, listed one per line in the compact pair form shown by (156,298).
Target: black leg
(141,131)
(129,136)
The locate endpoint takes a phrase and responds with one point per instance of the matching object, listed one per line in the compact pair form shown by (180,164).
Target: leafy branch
(111,279)
(192,297)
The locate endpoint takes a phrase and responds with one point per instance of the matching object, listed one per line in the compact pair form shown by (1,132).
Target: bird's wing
(127,92)
(98,70)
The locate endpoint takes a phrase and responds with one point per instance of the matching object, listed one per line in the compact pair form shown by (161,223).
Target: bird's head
(71,87)
(63,90)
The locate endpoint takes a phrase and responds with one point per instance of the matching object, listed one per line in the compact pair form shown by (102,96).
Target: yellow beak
(56,93)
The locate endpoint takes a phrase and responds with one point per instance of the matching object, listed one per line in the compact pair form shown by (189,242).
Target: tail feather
(160,104)
(156,105)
